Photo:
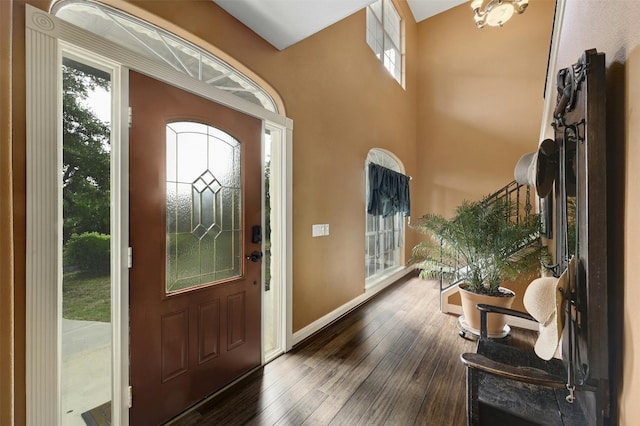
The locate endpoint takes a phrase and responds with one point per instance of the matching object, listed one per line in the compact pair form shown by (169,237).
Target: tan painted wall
(612,28)
(480,97)
(6,224)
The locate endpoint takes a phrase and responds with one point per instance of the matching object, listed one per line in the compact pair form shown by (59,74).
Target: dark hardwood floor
(393,361)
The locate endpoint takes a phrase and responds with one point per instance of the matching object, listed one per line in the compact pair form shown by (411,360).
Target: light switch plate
(317,230)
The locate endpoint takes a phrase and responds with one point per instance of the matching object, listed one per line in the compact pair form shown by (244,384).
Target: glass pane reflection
(86,327)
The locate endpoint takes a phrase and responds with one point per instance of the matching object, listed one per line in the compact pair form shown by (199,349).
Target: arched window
(384,236)
(161,46)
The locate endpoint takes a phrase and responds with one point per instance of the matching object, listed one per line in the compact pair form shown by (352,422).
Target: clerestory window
(384,35)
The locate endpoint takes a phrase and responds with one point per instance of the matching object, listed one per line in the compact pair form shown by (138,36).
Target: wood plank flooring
(393,361)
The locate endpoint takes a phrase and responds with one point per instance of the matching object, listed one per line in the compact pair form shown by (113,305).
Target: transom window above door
(161,46)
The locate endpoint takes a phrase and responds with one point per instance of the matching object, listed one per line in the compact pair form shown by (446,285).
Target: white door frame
(46,38)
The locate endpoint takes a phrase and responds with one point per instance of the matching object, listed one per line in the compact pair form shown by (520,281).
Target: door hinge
(130,117)
(129,396)
(129,257)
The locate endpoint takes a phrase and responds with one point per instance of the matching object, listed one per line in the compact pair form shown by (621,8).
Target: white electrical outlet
(326,229)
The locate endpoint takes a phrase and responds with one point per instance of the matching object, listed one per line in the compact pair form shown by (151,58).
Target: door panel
(195,314)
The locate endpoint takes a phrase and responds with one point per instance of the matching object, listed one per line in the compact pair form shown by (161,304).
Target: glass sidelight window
(204,226)
(86,323)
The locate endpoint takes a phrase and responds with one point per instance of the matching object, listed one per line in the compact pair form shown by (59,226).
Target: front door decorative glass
(203,206)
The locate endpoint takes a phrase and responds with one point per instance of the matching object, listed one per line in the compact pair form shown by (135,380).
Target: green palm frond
(480,244)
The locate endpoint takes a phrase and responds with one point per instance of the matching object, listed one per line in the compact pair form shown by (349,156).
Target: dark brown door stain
(185,346)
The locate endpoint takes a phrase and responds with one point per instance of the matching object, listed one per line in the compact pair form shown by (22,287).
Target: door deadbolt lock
(255,256)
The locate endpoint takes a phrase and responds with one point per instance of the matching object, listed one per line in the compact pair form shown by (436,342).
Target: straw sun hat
(544,299)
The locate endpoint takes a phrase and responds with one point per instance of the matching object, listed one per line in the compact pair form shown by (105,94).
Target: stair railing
(519,197)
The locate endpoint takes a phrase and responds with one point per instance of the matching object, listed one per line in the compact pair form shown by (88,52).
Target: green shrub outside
(89,253)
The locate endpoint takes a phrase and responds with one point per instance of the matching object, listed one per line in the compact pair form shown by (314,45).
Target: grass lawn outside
(86,298)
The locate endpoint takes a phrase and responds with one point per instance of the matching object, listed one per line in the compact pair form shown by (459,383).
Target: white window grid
(384,36)
(382,234)
(161,46)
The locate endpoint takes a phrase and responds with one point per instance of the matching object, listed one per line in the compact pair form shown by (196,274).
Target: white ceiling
(286,22)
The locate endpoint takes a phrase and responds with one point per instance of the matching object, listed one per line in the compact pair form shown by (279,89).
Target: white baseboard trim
(332,316)
(448,308)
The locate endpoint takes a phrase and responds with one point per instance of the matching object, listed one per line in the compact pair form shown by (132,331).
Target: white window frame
(385,36)
(382,226)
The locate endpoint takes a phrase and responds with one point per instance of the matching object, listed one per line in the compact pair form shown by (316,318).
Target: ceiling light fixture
(496,12)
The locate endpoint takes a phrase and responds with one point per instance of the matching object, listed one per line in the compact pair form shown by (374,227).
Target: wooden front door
(195,196)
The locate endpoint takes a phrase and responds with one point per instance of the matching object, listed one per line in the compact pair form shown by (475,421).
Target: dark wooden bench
(510,386)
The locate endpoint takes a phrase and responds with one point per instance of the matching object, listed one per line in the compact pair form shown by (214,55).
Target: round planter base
(465,328)
(495,322)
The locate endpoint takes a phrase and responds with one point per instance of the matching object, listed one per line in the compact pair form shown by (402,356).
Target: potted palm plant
(480,247)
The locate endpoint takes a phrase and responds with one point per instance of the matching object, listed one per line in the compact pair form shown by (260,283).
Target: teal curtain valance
(388,192)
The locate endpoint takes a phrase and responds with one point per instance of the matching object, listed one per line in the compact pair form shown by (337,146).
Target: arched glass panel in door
(204,196)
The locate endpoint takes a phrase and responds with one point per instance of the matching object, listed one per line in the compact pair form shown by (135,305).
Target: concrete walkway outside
(86,368)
